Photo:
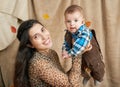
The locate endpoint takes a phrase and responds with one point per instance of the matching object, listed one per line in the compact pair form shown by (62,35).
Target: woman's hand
(88,48)
(65,54)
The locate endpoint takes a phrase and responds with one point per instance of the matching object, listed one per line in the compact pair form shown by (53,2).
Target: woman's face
(40,38)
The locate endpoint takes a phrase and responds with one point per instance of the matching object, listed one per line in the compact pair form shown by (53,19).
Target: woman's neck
(45,52)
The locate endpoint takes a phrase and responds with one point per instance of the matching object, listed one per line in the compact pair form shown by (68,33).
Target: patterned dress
(46,71)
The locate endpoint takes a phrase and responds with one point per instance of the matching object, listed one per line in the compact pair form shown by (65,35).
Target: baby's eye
(76,20)
(68,21)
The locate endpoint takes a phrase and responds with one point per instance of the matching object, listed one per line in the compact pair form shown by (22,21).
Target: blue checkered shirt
(81,39)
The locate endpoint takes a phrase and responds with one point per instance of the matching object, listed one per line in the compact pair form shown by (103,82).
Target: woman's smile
(47,41)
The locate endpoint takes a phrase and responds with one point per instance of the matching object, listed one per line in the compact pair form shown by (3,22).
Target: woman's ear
(29,45)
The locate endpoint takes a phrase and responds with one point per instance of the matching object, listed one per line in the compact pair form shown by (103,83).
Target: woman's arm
(75,72)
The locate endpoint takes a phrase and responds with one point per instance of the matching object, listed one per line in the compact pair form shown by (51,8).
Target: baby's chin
(73,31)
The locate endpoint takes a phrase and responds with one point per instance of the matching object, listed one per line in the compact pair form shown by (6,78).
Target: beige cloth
(104,16)
(8,26)
(10,12)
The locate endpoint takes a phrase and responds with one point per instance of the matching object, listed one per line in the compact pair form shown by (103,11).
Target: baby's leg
(85,72)
(97,72)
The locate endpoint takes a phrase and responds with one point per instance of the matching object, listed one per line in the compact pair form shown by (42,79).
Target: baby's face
(73,21)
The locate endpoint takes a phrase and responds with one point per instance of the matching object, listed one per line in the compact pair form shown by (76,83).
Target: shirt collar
(82,27)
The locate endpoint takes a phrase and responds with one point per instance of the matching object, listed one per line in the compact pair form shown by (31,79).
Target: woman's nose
(44,36)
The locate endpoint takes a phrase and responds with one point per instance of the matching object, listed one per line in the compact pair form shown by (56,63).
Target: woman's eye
(36,36)
(42,29)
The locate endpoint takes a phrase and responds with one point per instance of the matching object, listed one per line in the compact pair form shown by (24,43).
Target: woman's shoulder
(39,56)
(36,57)
(38,60)
(53,51)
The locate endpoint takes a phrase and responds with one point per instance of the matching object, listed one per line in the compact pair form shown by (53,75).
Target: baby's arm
(81,43)
(88,48)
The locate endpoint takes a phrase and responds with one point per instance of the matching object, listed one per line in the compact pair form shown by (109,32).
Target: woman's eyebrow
(37,33)
(42,27)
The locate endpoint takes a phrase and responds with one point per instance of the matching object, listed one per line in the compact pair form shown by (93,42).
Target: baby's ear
(29,45)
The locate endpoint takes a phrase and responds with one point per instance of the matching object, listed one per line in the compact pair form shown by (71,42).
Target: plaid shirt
(81,39)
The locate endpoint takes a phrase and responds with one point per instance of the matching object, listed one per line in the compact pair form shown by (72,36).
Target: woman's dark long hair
(25,53)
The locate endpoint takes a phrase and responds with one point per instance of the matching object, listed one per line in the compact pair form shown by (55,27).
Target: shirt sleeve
(80,43)
(65,46)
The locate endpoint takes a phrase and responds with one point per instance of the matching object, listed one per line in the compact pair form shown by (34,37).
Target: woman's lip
(47,41)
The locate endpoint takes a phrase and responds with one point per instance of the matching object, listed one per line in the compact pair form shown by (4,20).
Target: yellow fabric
(104,16)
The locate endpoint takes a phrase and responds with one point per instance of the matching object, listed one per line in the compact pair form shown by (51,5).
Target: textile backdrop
(104,16)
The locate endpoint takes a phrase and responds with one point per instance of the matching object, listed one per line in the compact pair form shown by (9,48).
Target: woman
(37,65)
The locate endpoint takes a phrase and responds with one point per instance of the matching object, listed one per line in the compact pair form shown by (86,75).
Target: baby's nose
(72,23)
